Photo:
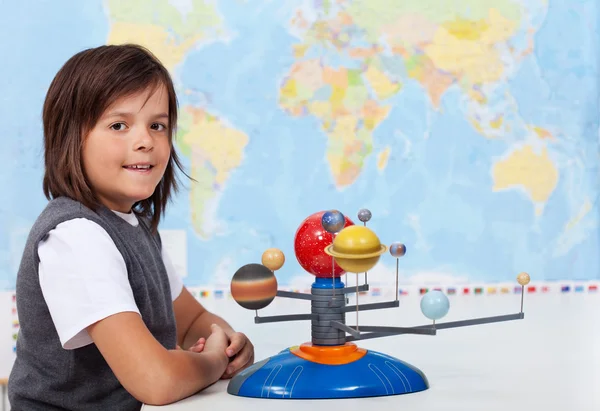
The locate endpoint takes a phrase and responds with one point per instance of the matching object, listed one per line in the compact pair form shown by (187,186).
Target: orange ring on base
(330,355)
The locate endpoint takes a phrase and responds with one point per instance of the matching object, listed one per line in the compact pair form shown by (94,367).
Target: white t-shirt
(83,278)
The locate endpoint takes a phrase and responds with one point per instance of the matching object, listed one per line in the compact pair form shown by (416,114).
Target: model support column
(329,304)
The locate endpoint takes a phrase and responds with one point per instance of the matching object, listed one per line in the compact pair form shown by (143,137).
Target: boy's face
(125,155)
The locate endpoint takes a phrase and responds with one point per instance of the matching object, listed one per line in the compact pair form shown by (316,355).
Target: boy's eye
(158,127)
(118,126)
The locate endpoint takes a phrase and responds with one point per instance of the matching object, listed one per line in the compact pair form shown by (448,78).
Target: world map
(469,128)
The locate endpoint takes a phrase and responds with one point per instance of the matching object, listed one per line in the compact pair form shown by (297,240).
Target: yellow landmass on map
(308,74)
(348,146)
(477,96)
(434,81)
(381,83)
(300,50)
(347,103)
(440,44)
(382,158)
(215,149)
(586,207)
(464,29)
(467,49)
(157,39)
(162,28)
(542,133)
(375,15)
(409,31)
(533,171)
(497,122)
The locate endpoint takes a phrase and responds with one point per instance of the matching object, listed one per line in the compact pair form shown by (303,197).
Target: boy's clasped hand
(237,346)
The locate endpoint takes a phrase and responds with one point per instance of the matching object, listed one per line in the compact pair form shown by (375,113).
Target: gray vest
(47,377)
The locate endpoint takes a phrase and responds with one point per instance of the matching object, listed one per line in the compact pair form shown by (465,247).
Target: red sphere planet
(309,245)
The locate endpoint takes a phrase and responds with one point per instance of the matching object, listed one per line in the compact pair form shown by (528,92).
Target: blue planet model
(435,305)
(333,221)
(397,250)
(364,215)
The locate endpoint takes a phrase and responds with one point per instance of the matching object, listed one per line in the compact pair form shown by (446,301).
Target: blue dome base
(287,376)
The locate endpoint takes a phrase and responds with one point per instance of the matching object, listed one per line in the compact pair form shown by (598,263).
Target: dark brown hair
(82,90)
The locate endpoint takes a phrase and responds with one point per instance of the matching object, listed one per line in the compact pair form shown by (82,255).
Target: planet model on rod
(333,221)
(356,249)
(310,241)
(397,249)
(273,259)
(254,286)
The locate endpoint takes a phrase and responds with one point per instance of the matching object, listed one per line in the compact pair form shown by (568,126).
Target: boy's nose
(144,142)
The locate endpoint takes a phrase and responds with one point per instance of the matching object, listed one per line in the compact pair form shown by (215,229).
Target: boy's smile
(140,167)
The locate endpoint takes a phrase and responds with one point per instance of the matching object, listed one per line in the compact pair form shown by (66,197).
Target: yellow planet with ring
(356,249)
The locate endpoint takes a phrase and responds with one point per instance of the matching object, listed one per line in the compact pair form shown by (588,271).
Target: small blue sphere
(435,305)
(364,215)
(397,250)
(333,221)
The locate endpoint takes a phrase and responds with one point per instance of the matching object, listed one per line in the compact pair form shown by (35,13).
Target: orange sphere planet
(254,286)
(523,278)
(273,259)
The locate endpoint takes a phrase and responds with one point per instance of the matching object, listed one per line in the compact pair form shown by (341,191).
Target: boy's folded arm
(148,371)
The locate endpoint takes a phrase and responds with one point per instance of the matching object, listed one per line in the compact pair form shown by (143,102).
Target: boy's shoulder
(59,210)
(62,209)
(66,204)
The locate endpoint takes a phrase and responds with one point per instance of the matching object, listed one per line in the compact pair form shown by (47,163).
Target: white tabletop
(548,361)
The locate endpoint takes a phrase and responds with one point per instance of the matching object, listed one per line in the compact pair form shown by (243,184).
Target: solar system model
(328,244)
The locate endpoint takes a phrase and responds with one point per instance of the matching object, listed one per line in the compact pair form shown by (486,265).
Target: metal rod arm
(295,295)
(352,290)
(381,330)
(397,330)
(372,306)
(343,327)
(475,321)
(290,317)
(368,336)
(306,296)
